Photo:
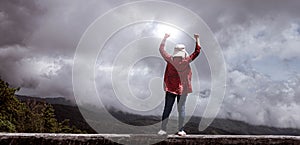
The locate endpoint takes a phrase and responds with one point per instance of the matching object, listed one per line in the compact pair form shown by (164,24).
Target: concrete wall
(91,139)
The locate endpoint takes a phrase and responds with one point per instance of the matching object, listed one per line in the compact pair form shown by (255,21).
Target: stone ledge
(91,139)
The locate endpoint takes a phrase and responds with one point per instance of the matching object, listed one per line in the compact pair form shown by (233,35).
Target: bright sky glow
(161,29)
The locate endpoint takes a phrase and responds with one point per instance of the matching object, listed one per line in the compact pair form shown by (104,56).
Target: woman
(177,81)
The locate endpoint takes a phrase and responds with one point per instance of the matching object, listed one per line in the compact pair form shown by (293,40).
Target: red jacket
(178,74)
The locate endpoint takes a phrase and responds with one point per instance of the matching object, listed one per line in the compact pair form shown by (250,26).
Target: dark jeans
(169,101)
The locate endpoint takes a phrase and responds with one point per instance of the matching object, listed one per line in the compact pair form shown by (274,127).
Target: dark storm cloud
(239,11)
(35,34)
(18,19)
(13,70)
(61,28)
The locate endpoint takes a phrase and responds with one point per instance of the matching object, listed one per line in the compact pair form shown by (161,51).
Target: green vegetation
(29,116)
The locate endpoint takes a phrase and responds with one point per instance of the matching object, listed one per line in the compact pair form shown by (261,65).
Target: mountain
(64,109)
(54,100)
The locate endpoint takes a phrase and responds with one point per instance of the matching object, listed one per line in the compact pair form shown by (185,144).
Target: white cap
(179,51)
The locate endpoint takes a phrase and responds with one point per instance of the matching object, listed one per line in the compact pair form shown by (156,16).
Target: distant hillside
(57,100)
(67,110)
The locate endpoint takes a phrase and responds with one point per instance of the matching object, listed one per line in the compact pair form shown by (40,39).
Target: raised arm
(197,48)
(162,51)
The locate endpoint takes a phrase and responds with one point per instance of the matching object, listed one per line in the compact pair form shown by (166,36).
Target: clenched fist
(167,35)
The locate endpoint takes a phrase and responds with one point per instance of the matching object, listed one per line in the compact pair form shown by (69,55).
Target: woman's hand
(197,38)
(167,36)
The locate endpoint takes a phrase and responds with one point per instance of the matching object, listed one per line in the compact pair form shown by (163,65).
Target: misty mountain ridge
(65,109)
(50,100)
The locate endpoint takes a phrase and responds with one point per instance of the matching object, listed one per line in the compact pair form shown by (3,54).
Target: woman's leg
(181,110)
(169,101)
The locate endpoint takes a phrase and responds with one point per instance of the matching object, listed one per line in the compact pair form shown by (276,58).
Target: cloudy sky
(260,42)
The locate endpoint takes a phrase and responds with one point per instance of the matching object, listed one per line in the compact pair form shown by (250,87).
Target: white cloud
(254,94)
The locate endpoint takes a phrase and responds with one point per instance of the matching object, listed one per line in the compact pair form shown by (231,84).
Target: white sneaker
(162,132)
(181,133)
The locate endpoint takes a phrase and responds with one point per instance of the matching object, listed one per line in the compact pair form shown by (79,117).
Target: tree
(9,108)
(31,116)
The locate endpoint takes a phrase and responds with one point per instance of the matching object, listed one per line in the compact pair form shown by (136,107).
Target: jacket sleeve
(162,51)
(195,53)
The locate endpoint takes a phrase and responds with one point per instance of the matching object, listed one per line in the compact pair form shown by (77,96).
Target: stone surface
(91,139)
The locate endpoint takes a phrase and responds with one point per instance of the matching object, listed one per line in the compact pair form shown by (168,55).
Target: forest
(29,116)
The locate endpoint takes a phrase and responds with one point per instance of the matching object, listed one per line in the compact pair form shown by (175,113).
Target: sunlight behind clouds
(160,30)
